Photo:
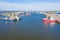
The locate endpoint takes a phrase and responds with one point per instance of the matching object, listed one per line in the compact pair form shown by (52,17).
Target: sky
(36,5)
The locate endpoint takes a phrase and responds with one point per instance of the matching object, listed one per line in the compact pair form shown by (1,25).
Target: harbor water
(30,27)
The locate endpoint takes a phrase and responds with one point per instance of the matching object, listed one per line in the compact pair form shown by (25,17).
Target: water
(29,28)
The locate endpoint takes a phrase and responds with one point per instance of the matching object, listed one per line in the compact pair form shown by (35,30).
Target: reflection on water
(14,22)
(52,23)
(45,22)
(29,28)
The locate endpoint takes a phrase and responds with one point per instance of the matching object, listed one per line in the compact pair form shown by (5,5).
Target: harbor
(30,27)
(29,19)
(14,15)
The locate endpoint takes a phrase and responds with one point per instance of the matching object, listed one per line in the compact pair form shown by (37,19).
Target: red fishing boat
(49,20)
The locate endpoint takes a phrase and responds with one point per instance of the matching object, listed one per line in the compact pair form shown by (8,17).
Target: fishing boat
(51,19)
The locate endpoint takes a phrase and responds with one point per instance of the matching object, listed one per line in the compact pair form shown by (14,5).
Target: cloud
(38,6)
